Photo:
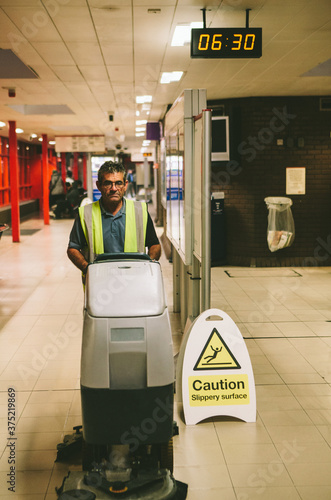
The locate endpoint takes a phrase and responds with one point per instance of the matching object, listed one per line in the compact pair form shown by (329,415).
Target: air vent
(12,67)
(325,104)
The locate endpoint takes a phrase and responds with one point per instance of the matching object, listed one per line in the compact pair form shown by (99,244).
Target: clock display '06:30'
(230,43)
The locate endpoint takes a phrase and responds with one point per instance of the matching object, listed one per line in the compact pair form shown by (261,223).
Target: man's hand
(154,252)
(78,259)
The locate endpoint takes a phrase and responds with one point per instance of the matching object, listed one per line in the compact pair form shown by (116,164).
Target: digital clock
(226,43)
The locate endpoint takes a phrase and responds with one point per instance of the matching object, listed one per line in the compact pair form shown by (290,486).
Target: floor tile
(316,491)
(266,492)
(253,475)
(312,474)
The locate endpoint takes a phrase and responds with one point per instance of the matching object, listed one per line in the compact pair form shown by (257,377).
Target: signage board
(80,144)
(214,371)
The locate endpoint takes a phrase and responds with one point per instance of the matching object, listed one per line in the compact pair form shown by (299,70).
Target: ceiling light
(172,76)
(2,124)
(33,136)
(52,142)
(146,107)
(182,34)
(141,99)
(40,139)
(137,113)
(140,134)
(140,129)
(141,122)
(19,131)
(146,143)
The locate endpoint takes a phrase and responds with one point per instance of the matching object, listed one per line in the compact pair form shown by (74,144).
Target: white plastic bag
(280,232)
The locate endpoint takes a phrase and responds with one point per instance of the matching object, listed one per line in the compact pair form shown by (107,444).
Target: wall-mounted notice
(214,371)
(80,144)
(296,180)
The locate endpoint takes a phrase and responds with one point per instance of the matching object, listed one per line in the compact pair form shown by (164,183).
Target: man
(112,224)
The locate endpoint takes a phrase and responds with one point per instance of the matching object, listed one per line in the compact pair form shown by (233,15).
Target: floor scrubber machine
(127,385)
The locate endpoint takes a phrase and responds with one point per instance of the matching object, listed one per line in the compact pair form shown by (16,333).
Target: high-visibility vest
(135,227)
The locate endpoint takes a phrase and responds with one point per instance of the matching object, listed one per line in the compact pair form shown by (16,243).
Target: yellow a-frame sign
(214,370)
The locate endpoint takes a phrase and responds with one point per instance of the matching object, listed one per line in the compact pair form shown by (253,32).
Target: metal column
(205,212)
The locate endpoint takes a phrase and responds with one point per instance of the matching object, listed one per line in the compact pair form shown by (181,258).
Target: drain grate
(263,273)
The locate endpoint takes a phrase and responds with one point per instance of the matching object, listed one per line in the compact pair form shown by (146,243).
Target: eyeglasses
(117,184)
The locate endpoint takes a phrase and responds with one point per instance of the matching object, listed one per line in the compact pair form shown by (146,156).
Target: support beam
(75,167)
(14,184)
(63,168)
(45,179)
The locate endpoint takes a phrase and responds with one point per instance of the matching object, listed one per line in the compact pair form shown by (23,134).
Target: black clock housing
(226,43)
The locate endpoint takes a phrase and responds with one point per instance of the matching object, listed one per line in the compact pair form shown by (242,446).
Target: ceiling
(91,58)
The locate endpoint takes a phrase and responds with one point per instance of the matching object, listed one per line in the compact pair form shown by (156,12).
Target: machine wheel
(167,456)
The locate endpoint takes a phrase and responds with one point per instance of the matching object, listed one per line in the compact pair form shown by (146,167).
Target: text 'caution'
(215,390)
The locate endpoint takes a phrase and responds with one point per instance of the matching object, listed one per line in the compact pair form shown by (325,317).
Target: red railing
(24,162)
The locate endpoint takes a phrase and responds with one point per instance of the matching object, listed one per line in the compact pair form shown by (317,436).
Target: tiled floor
(285,317)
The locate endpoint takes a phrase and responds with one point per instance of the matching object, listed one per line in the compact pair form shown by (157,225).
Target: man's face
(112,187)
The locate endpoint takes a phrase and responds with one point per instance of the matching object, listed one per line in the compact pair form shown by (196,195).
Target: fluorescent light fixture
(52,142)
(182,34)
(140,129)
(33,136)
(173,76)
(141,122)
(140,134)
(40,139)
(141,99)
(2,124)
(146,143)
(19,131)
(146,107)
(137,113)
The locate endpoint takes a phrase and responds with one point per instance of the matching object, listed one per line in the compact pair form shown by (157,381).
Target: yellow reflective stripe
(130,240)
(97,234)
(131,228)
(82,221)
(145,216)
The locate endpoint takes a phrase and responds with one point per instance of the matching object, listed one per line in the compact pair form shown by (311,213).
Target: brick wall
(257,169)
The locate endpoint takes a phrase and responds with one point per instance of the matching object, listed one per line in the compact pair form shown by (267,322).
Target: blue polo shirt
(113,230)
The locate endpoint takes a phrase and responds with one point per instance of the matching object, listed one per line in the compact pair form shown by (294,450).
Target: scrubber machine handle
(122,256)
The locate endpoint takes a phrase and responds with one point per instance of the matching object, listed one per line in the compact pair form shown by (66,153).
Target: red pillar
(45,179)
(14,187)
(63,169)
(84,172)
(75,167)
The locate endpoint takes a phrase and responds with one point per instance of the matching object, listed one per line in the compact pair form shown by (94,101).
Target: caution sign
(216,355)
(213,390)
(214,370)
